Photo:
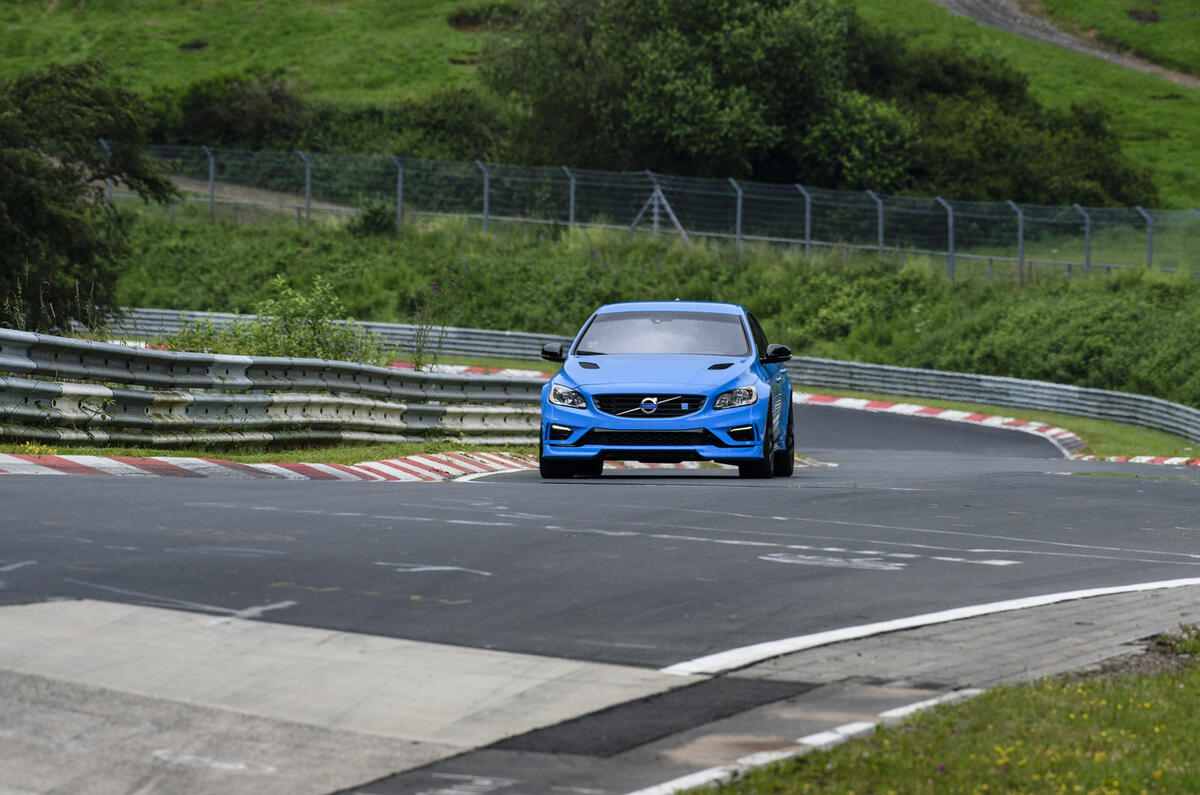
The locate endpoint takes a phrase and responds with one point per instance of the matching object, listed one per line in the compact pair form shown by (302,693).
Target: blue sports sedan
(668,381)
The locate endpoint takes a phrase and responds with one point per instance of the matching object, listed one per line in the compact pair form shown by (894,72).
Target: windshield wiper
(590,353)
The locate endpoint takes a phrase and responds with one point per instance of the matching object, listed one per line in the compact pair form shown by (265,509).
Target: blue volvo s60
(668,381)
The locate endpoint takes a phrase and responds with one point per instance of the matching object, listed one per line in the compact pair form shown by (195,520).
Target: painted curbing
(435,467)
(1066,441)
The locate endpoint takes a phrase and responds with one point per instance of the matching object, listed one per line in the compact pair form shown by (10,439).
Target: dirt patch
(1160,656)
(1145,17)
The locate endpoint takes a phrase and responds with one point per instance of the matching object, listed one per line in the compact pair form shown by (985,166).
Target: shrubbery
(270,112)
(293,323)
(794,91)
(1134,332)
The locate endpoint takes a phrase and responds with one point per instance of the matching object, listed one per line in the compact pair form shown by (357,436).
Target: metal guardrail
(164,397)
(149,323)
(1148,412)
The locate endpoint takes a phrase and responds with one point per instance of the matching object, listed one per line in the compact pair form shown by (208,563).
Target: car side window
(760,338)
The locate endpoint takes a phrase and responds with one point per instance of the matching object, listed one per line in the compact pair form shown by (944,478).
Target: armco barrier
(1148,412)
(163,397)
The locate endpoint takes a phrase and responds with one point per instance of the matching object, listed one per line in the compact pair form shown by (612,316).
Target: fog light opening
(559,433)
(742,433)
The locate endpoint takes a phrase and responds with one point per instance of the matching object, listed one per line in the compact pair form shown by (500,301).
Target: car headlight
(742,396)
(562,396)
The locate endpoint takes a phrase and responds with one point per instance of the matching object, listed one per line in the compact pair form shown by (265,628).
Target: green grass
(1166,32)
(345,50)
(1125,734)
(1158,121)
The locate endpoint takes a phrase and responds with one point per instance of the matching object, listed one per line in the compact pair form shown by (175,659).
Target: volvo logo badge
(649,405)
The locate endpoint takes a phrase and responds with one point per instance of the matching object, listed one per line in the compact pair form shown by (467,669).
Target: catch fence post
(212,182)
(1087,242)
(108,184)
(1149,237)
(487,178)
(807,219)
(399,191)
(737,230)
(1020,242)
(307,186)
(878,221)
(656,206)
(571,207)
(949,236)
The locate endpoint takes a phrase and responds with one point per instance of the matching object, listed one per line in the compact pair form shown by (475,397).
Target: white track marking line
(729,660)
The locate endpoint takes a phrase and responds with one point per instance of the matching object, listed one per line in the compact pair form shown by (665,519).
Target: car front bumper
(728,435)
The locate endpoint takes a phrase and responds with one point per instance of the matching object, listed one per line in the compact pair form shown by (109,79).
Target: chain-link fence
(997,239)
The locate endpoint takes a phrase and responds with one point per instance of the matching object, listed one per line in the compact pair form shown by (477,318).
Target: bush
(240,110)
(374,219)
(292,324)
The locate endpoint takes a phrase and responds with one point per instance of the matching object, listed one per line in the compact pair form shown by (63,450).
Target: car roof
(672,306)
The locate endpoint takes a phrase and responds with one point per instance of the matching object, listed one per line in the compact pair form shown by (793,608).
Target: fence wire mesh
(993,237)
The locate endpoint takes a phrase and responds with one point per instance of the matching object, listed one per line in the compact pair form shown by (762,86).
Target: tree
(793,91)
(701,87)
(61,240)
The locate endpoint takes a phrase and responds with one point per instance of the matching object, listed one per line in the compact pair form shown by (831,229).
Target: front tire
(763,467)
(551,468)
(785,459)
(555,468)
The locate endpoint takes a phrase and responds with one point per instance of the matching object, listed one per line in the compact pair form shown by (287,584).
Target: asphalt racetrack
(114,592)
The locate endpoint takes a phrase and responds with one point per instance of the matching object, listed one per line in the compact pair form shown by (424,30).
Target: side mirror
(553,352)
(777,354)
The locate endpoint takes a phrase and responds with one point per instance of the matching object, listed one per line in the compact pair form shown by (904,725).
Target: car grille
(630,406)
(650,438)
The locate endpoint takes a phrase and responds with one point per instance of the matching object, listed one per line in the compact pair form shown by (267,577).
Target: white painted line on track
(723,662)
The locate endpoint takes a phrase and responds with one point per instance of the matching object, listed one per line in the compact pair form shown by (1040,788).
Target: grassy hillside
(1166,32)
(343,50)
(1158,121)
(378,52)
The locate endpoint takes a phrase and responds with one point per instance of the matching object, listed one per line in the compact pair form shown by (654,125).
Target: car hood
(644,371)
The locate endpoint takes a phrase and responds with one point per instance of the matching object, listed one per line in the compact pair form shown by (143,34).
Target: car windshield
(707,333)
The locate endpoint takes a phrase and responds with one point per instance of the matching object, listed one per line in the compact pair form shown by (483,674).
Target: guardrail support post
(1087,242)
(307,186)
(807,219)
(737,230)
(1020,244)
(571,208)
(949,237)
(1149,237)
(878,221)
(487,178)
(212,182)
(108,185)
(399,191)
